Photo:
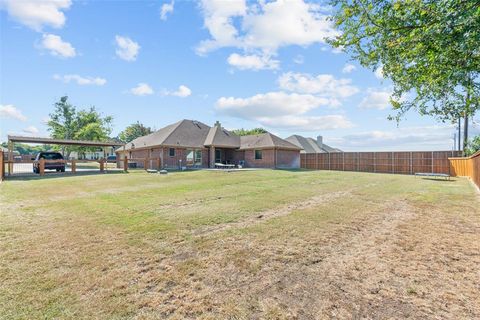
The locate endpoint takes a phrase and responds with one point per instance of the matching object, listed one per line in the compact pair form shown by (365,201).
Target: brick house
(192,144)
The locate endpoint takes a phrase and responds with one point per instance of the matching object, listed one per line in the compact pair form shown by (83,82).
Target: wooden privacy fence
(382,162)
(467,167)
(2,166)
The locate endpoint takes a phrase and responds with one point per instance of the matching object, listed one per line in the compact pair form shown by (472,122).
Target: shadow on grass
(440,180)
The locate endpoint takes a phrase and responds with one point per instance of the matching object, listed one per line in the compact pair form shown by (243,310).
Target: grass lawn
(254,244)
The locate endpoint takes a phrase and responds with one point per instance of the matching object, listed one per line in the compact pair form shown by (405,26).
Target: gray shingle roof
(310,145)
(265,140)
(219,137)
(185,133)
(194,134)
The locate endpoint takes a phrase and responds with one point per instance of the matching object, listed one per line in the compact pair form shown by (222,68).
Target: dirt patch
(275,212)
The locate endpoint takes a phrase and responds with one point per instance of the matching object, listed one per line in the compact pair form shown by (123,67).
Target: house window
(218,156)
(258,154)
(198,157)
(171,152)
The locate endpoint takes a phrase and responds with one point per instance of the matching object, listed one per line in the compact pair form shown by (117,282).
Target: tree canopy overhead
(429,49)
(134,131)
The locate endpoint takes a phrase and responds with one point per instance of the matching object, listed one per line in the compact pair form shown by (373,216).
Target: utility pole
(459,133)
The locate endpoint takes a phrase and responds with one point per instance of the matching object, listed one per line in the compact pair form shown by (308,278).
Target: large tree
(134,131)
(68,123)
(429,49)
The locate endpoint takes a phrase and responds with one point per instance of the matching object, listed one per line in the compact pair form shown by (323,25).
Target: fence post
(74,166)
(2,166)
(102,165)
(125,164)
(411,162)
(358,161)
(374,162)
(432,161)
(393,162)
(329,156)
(145,163)
(41,166)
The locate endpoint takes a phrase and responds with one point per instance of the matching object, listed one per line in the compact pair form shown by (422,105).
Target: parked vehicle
(50,164)
(112,158)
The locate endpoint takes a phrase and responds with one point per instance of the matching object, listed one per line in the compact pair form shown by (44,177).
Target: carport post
(125,164)
(10,157)
(41,167)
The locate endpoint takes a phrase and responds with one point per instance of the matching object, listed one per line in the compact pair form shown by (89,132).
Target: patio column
(212,157)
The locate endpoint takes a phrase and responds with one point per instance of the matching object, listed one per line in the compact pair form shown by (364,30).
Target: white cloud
(435,137)
(348,68)
(271,104)
(182,92)
(376,99)
(57,47)
(299,59)
(324,85)
(9,111)
(218,19)
(379,72)
(166,9)
(252,62)
(80,80)
(307,123)
(142,89)
(31,130)
(37,13)
(266,26)
(127,49)
(282,110)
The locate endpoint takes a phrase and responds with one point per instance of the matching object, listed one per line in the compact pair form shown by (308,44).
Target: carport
(10,161)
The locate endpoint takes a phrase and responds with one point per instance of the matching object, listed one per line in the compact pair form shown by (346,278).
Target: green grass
(149,245)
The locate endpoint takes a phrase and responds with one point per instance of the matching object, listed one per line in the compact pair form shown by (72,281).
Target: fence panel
(401,162)
(467,167)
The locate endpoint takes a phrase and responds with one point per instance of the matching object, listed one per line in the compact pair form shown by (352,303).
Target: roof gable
(265,140)
(189,133)
(218,136)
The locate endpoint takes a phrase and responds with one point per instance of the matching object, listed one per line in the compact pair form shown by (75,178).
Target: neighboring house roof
(265,140)
(307,144)
(194,134)
(219,137)
(310,145)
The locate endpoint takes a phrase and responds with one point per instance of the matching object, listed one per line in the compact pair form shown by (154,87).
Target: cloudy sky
(244,64)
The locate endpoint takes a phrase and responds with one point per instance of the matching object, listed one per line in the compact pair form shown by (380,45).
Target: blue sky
(244,64)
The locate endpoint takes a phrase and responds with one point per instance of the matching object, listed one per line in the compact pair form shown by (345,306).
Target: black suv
(50,164)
